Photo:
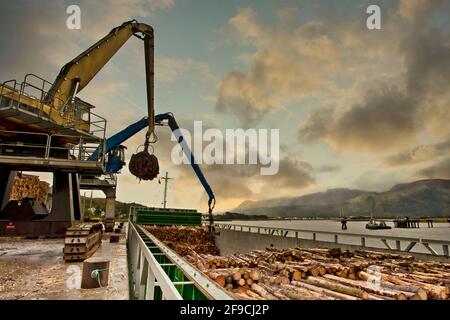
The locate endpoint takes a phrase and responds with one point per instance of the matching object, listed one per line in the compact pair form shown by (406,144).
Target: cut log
(277,292)
(262,292)
(335,286)
(299,293)
(406,288)
(243,296)
(297,275)
(365,286)
(323,291)
(254,295)
(255,274)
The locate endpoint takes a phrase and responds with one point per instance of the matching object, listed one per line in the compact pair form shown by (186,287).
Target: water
(441,231)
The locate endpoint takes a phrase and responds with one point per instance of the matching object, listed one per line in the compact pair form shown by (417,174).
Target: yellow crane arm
(76,74)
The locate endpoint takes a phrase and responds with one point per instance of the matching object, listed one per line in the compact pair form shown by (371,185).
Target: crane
(58,110)
(45,126)
(76,75)
(115,151)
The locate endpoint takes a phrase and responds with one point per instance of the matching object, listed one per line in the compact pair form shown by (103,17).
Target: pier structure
(409,223)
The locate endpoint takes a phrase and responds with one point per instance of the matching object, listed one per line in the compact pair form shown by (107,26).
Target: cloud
(286,67)
(440,170)
(170,69)
(287,13)
(316,125)
(416,11)
(327,168)
(419,154)
(41,43)
(410,101)
(292,174)
(384,120)
(241,182)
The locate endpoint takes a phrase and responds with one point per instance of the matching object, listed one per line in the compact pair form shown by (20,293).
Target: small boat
(373,225)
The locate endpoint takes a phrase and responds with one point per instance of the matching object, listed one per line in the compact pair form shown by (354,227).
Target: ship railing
(156,272)
(80,149)
(36,88)
(43,146)
(39,145)
(404,244)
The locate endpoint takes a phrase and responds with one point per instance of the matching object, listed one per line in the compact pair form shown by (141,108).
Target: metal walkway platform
(49,165)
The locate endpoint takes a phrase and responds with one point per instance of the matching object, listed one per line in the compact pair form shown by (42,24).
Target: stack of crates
(168,217)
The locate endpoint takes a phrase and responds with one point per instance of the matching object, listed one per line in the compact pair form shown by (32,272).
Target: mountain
(420,198)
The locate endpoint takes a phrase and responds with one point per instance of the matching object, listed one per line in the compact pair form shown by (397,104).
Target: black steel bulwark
(27,218)
(6,183)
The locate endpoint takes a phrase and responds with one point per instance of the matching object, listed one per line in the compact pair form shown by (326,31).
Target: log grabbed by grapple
(144,165)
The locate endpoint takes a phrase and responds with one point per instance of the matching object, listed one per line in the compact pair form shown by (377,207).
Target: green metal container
(168,217)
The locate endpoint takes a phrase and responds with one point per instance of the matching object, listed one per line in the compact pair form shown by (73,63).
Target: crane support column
(66,198)
(110,209)
(7,179)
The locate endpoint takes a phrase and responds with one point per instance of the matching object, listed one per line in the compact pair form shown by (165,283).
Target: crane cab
(116,159)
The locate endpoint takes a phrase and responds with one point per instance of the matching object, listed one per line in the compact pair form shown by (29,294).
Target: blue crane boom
(115,161)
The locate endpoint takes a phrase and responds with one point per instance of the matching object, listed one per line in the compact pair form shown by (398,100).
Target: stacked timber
(184,239)
(306,274)
(29,186)
(325,274)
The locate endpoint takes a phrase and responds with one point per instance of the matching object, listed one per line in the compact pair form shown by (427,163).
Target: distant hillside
(327,198)
(419,198)
(122,208)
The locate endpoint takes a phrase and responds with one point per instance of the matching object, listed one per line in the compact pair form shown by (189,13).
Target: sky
(356,108)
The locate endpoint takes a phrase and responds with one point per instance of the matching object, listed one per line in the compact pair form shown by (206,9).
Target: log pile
(183,239)
(29,186)
(325,274)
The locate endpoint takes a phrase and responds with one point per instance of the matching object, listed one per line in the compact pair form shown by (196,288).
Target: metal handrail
(141,258)
(81,146)
(204,284)
(147,272)
(338,233)
(98,122)
(285,231)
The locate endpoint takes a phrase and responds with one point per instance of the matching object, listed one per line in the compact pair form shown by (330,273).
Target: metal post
(363,241)
(150,291)
(445,249)
(166,178)
(335,238)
